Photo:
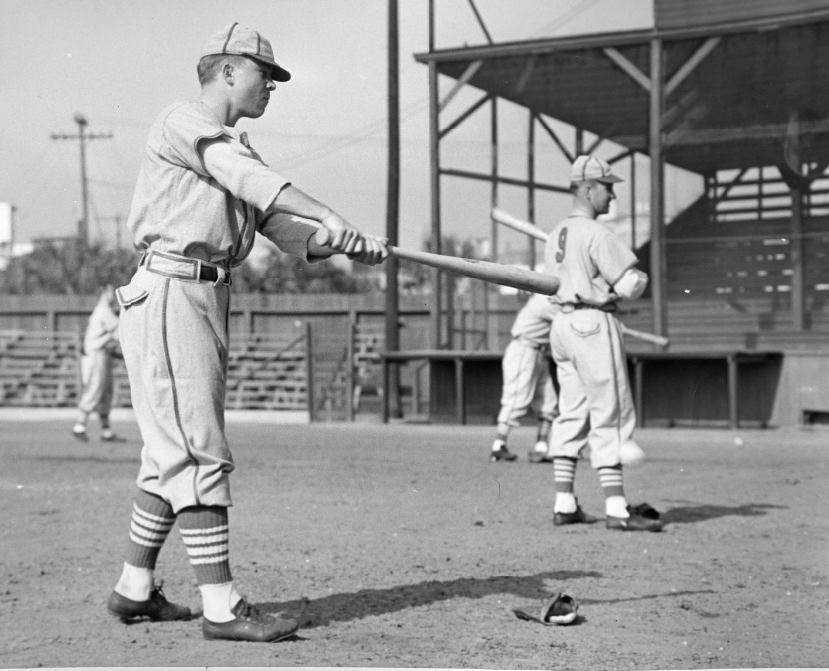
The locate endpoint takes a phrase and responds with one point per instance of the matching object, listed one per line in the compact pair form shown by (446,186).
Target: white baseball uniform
(595,402)
(99,343)
(526,363)
(194,213)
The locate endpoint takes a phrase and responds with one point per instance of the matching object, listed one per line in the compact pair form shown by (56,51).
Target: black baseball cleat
(537,457)
(578,517)
(156,608)
(636,522)
(250,624)
(502,454)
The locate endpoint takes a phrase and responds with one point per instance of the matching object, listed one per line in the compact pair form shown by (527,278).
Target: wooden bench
(730,387)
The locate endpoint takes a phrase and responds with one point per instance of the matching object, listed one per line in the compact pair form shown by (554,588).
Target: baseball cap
(240,40)
(586,168)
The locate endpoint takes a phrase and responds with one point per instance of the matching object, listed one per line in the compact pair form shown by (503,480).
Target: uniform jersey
(532,323)
(180,208)
(588,260)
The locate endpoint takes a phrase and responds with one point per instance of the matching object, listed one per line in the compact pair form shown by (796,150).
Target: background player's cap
(240,40)
(587,168)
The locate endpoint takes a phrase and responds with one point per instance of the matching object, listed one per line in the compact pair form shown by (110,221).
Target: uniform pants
(174,336)
(595,403)
(523,368)
(97,382)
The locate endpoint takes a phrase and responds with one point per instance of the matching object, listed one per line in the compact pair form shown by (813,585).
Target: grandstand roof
(735,90)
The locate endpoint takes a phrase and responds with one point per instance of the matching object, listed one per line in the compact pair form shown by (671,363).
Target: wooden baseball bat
(505,218)
(497,273)
(531,229)
(662,341)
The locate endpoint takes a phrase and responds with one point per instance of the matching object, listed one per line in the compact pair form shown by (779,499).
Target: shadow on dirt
(367,602)
(702,513)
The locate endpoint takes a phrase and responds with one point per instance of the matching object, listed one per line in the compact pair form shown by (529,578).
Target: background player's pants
(97,382)
(523,368)
(174,337)
(595,404)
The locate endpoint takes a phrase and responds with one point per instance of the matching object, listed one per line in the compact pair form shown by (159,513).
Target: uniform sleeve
(183,128)
(240,171)
(290,233)
(611,256)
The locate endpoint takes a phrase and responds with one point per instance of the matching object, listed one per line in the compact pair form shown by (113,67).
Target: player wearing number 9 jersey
(595,270)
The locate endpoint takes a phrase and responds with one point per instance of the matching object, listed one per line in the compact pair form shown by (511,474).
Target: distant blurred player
(526,366)
(100,346)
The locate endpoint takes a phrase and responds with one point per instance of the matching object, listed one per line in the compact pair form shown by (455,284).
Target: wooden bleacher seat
(267,372)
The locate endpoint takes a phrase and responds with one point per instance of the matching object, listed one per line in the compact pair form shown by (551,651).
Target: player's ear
(227,71)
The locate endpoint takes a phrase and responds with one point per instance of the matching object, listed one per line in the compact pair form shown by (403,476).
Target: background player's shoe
(79,432)
(156,608)
(109,436)
(249,624)
(499,452)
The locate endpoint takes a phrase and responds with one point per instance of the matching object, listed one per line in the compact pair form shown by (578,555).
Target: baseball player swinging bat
(534,231)
(498,273)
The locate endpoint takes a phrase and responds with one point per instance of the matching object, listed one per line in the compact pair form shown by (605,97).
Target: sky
(119,62)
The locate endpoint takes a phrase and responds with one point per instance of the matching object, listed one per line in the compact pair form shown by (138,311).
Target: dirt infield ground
(402,546)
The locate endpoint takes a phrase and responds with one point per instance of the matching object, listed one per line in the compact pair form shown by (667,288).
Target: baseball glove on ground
(645,510)
(558,609)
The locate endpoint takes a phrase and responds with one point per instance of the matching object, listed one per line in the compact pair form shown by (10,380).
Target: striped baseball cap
(592,168)
(240,40)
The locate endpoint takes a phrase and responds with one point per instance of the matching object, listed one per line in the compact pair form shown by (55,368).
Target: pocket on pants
(131,294)
(584,328)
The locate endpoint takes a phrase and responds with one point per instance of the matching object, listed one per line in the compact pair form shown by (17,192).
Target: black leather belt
(210,274)
(607,307)
(182,267)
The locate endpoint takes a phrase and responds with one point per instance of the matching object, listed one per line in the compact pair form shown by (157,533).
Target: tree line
(69,267)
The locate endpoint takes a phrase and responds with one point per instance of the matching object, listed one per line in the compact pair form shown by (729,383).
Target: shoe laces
(157,593)
(245,609)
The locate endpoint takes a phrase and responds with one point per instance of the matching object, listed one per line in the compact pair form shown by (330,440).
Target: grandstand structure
(731,92)
(316,354)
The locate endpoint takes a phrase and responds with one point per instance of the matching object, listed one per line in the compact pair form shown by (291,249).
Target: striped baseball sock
(544,425)
(151,520)
(564,473)
(611,480)
(150,524)
(206,535)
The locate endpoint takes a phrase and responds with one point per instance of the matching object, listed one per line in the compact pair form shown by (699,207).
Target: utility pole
(393,208)
(83,136)
(118,220)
